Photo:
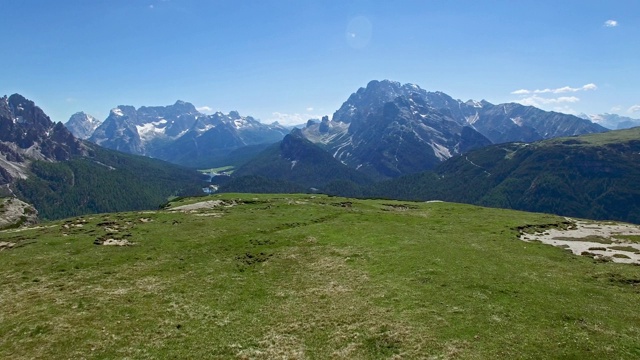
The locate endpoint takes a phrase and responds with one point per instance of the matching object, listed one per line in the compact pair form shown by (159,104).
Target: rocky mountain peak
(27,133)
(82,125)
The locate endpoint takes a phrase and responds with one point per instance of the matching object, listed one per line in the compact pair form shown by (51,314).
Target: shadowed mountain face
(297,160)
(32,131)
(28,134)
(388,129)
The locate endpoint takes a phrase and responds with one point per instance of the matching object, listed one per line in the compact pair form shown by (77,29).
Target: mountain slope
(591,176)
(104,181)
(297,160)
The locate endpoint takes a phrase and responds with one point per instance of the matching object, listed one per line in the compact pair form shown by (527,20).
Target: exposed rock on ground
(606,241)
(15,213)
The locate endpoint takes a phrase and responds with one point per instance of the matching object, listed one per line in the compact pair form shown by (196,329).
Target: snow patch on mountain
(150,131)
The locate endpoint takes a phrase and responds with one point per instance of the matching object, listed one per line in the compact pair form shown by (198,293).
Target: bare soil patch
(605,241)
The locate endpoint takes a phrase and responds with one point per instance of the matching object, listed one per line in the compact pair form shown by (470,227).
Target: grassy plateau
(300,276)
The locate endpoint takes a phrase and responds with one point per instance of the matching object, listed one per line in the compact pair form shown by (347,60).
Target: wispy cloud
(565,109)
(634,109)
(610,23)
(309,109)
(205,109)
(544,98)
(616,108)
(539,101)
(561,90)
(292,119)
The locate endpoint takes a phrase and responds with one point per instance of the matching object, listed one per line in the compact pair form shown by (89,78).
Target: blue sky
(291,60)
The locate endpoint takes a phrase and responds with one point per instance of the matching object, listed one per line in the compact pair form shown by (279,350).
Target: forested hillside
(104,181)
(592,176)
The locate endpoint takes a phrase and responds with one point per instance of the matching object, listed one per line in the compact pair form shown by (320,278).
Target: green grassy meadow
(310,277)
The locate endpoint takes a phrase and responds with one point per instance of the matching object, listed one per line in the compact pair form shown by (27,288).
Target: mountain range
(42,163)
(612,121)
(180,134)
(384,130)
(388,129)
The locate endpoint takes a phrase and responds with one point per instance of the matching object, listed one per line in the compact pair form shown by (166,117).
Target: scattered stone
(6,245)
(112,242)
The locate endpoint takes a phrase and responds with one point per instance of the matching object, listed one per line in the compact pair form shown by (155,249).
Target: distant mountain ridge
(82,125)
(180,134)
(388,129)
(612,121)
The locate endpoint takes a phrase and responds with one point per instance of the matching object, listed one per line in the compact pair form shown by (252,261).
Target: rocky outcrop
(15,213)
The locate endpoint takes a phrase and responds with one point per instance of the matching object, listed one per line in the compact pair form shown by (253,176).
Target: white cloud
(291,119)
(556,103)
(562,90)
(309,109)
(616,108)
(634,109)
(205,109)
(539,101)
(610,23)
(565,110)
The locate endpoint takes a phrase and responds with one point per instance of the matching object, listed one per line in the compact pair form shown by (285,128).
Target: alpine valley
(382,132)
(42,163)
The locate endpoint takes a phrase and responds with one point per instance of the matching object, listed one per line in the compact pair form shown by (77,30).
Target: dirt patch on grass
(604,241)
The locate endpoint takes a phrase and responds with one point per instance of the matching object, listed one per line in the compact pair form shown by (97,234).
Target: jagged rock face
(393,129)
(82,125)
(119,131)
(140,131)
(27,132)
(408,136)
(179,133)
